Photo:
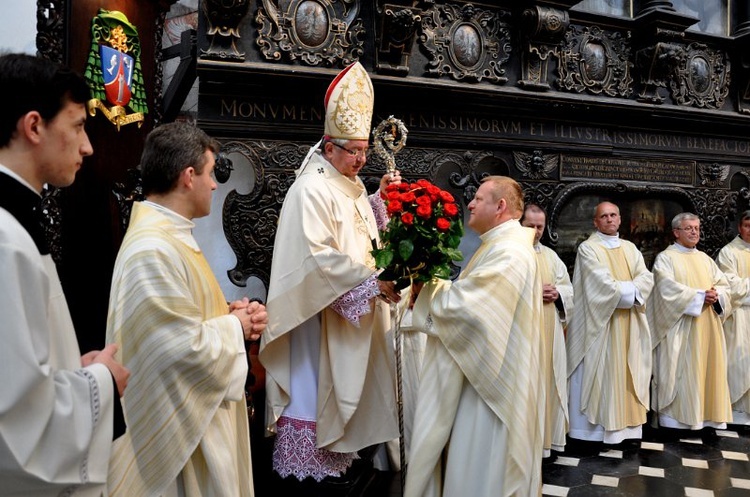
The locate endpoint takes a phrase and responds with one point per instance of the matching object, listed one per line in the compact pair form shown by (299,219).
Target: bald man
(608,342)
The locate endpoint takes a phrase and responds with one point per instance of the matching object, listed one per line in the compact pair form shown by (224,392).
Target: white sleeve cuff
(695,306)
(627,294)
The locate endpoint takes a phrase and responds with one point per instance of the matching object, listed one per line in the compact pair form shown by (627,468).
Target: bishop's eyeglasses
(690,229)
(364,152)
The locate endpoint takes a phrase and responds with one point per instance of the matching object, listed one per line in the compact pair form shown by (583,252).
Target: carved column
(223,18)
(395,38)
(742,44)
(660,30)
(543,28)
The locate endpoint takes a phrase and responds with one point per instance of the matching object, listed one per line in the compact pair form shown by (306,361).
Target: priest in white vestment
(608,340)
(59,411)
(480,410)
(734,262)
(330,388)
(557,295)
(187,418)
(691,299)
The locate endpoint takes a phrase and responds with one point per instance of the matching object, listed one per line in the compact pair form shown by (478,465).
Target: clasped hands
(549,293)
(252,316)
(712,296)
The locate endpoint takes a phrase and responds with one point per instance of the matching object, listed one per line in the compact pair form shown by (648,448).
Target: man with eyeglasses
(330,384)
(608,341)
(734,261)
(690,301)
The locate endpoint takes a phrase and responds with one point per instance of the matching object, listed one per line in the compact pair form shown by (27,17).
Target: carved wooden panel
(536,164)
(596,61)
(701,77)
(466,42)
(223,18)
(313,31)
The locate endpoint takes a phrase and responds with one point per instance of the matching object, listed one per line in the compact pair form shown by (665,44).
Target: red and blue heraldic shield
(117,72)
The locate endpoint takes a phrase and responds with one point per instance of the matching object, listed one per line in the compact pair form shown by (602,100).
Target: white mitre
(349,102)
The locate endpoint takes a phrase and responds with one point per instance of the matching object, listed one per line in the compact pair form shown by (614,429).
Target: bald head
(607,218)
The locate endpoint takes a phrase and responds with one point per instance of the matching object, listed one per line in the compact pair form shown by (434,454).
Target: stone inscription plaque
(661,171)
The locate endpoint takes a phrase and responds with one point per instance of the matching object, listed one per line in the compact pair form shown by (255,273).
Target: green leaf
(383,258)
(454,254)
(405,249)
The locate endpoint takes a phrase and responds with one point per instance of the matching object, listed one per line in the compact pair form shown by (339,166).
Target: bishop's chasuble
(322,369)
(184,405)
(734,261)
(690,367)
(55,416)
(608,341)
(480,410)
(553,271)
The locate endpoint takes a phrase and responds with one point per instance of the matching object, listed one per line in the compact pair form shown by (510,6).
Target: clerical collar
(537,247)
(683,248)
(609,241)
(183,226)
(25,204)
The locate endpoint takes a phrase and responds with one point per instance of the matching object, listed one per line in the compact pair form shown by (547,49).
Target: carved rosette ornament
(223,18)
(314,31)
(596,61)
(701,78)
(398,26)
(543,29)
(466,43)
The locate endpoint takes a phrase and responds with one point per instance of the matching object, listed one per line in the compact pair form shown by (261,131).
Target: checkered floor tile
(666,462)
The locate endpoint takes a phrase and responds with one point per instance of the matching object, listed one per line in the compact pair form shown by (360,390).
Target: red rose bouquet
(422,236)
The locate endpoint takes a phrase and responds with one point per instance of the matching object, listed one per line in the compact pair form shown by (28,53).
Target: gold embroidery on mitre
(349,109)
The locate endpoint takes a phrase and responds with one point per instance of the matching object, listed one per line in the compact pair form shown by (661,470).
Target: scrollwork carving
(466,43)
(715,209)
(314,31)
(52,221)
(701,77)
(126,193)
(50,29)
(596,61)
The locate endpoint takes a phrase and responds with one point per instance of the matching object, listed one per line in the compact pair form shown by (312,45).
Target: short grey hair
(683,216)
(743,217)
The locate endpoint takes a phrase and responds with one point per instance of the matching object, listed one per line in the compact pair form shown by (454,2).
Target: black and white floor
(707,463)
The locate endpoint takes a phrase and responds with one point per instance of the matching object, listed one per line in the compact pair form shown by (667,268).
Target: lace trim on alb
(295,453)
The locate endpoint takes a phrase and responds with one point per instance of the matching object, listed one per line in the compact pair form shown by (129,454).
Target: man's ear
(186,177)
(502,204)
(29,126)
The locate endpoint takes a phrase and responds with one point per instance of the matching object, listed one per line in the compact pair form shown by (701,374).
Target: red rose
(407,218)
(403,186)
(424,211)
(394,196)
(450,209)
(392,187)
(414,186)
(424,200)
(394,206)
(408,197)
(423,183)
(433,190)
(446,197)
(442,224)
